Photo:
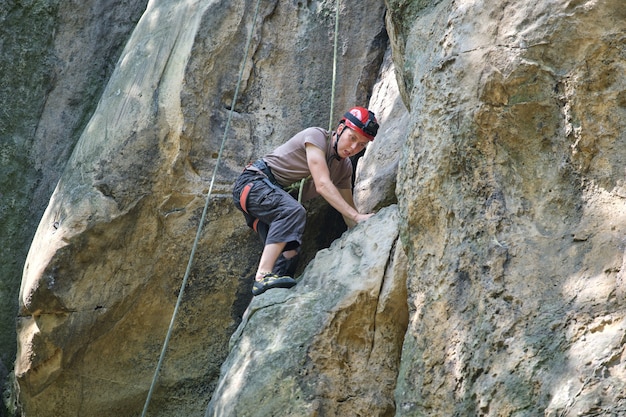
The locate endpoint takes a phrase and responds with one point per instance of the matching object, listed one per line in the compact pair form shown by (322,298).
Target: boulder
(330,345)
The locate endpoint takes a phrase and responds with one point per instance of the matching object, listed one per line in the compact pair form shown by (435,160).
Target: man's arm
(316,160)
(347,196)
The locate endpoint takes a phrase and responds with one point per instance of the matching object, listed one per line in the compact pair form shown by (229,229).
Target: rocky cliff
(489,282)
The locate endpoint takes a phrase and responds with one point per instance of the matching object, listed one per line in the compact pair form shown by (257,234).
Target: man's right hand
(362,217)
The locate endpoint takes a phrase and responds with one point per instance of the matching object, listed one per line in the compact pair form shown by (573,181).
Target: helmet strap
(336,155)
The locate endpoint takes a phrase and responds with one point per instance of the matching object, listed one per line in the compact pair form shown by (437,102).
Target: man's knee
(300,213)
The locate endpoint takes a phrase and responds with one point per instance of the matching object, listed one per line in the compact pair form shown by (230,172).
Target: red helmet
(362,120)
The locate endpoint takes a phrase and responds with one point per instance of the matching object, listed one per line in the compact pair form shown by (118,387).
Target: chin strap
(336,155)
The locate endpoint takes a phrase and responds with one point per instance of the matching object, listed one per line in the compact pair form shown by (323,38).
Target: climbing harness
(243,202)
(261,167)
(202,219)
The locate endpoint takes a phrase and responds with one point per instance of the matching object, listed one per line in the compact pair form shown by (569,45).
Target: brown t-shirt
(289,164)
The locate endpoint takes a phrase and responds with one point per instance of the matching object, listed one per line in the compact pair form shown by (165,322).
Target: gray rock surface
(330,345)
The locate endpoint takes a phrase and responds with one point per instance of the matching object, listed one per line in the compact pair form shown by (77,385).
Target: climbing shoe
(272,281)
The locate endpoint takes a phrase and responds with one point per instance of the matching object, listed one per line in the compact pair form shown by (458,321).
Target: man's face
(350,142)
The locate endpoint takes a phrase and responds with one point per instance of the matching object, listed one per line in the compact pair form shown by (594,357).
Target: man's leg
(281,222)
(265,279)
(271,252)
(286,262)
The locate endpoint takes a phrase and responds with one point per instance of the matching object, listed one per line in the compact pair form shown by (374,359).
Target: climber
(275,215)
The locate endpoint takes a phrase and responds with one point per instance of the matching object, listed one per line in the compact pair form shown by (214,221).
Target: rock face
(494,287)
(513,207)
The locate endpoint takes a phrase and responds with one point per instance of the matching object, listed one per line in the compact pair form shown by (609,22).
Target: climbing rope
(202,219)
(332,89)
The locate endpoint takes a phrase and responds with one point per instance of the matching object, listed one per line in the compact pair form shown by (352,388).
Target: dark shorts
(281,217)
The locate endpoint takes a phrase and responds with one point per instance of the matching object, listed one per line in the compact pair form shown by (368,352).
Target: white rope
(332,88)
